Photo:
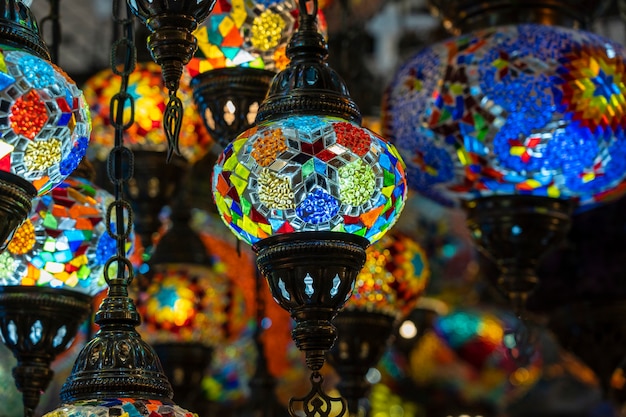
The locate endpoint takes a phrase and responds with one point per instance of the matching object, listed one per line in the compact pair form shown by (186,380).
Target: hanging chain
(120,161)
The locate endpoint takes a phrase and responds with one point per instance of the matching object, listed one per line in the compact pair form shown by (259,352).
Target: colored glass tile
(48,252)
(468,129)
(298,191)
(150,97)
(247,34)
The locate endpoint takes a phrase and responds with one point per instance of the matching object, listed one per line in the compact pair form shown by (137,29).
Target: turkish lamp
(460,114)
(388,287)
(49,274)
(307,183)
(241,46)
(154,184)
(44,121)
(187,304)
(172,44)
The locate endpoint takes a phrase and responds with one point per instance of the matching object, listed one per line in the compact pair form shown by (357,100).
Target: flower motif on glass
(309,173)
(43,117)
(527,109)
(64,242)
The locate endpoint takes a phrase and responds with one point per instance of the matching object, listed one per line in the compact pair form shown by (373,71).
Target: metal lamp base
(16,195)
(37,324)
(311,275)
(242,87)
(515,232)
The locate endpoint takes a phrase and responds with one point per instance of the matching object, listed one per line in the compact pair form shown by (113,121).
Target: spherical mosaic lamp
(395,274)
(48,275)
(189,304)
(517,122)
(44,121)
(310,189)
(241,46)
(154,183)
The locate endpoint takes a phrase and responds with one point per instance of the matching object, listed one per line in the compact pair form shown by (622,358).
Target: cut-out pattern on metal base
(317,403)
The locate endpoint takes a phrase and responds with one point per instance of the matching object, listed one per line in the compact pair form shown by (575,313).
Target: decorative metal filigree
(317,403)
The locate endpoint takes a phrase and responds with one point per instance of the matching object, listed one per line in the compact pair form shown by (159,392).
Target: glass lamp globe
(119,407)
(309,173)
(519,123)
(49,272)
(44,120)
(241,46)
(246,33)
(187,303)
(64,242)
(395,275)
(512,110)
(150,98)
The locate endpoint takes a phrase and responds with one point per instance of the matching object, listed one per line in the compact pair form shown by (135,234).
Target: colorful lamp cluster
(64,242)
(150,97)
(245,33)
(44,121)
(188,303)
(527,109)
(309,173)
(116,407)
(395,274)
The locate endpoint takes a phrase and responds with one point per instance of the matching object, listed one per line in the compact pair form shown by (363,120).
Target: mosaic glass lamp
(154,182)
(44,121)
(518,122)
(310,189)
(48,275)
(189,306)
(241,45)
(395,274)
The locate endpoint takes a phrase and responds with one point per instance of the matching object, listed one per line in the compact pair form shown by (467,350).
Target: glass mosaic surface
(187,303)
(150,97)
(64,242)
(526,109)
(247,33)
(44,121)
(309,173)
(395,275)
(120,407)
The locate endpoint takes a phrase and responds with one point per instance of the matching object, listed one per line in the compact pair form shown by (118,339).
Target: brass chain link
(120,161)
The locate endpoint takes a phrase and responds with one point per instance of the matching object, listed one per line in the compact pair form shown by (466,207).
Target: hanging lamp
(395,275)
(241,46)
(49,273)
(172,44)
(189,306)
(116,372)
(516,121)
(310,189)
(44,121)
(154,184)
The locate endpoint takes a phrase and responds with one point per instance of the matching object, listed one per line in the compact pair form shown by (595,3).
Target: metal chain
(120,161)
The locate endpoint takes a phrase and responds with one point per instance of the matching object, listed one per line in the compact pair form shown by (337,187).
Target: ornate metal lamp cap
(308,85)
(117,362)
(461,16)
(19,28)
